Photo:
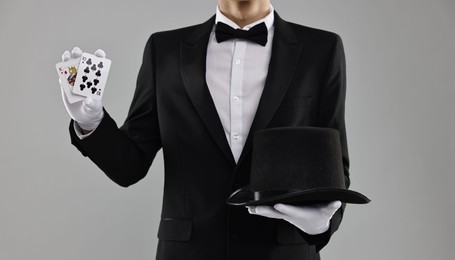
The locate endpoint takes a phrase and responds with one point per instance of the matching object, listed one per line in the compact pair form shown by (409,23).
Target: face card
(92,76)
(67,72)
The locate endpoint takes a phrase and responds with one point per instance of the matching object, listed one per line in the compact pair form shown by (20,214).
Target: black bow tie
(257,33)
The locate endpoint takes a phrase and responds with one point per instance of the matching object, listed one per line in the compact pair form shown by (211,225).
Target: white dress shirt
(236,71)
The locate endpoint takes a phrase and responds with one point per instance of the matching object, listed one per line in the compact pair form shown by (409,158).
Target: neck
(244,12)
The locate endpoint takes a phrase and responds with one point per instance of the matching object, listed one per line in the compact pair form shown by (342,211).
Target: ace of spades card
(67,72)
(92,76)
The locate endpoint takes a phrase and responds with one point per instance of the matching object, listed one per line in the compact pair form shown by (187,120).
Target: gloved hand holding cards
(84,76)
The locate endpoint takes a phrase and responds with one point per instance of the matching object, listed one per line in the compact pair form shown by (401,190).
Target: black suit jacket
(172,109)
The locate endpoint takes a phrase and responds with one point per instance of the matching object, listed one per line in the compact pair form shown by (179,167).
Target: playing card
(67,72)
(92,75)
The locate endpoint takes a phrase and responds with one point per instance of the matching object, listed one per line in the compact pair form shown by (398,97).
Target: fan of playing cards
(83,77)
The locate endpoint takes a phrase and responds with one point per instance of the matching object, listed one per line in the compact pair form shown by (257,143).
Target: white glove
(313,220)
(88,113)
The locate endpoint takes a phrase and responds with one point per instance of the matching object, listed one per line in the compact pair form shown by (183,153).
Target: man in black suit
(202,92)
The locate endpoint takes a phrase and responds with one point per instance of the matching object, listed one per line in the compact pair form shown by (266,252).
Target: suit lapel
(285,55)
(193,54)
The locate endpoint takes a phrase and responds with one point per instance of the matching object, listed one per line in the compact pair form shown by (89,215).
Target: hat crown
(296,158)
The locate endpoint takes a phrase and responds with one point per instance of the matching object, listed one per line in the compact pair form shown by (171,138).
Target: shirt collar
(268,20)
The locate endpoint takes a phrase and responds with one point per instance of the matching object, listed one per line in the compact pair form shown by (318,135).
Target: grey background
(56,204)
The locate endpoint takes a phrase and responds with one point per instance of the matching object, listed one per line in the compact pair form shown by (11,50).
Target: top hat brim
(246,197)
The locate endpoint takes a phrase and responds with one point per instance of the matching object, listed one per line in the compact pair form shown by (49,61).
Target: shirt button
(237,62)
(236,136)
(236,99)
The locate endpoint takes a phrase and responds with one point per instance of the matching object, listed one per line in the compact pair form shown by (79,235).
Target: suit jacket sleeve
(331,114)
(125,154)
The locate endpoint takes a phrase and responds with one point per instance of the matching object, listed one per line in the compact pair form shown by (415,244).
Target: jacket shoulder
(174,34)
(306,33)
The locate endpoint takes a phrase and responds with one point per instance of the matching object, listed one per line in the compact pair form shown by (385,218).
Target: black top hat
(296,165)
